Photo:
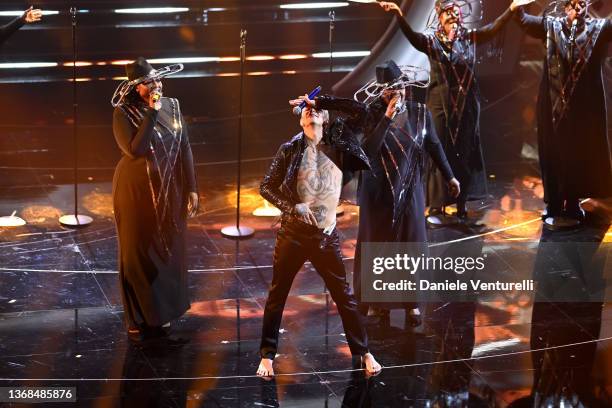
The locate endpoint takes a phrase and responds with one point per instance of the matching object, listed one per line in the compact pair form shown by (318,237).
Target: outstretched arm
(356,111)
(7,30)
(489,31)
(532,25)
(31,15)
(418,40)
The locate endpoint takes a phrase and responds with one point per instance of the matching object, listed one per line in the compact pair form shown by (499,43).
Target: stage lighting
(12,221)
(25,65)
(342,54)
(304,6)
(267,210)
(184,60)
(19,13)
(152,10)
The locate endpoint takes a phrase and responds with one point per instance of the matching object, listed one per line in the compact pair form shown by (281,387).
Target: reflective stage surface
(61,316)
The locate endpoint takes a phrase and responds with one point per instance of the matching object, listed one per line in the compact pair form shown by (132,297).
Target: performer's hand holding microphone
(395,106)
(155,99)
(305,101)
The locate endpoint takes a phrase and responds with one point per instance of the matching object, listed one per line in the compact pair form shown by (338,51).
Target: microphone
(156,96)
(574,29)
(298,109)
(399,105)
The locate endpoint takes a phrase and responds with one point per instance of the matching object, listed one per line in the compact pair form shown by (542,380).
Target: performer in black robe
(454,101)
(397,135)
(572,122)
(29,16)
(154,190)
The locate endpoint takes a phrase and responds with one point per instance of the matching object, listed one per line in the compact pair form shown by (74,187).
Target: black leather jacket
(279,185)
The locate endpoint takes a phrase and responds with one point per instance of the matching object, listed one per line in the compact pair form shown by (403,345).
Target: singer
(454,101)
(572,121)
(398,133)
(154,191)
(29,16)
(304,182)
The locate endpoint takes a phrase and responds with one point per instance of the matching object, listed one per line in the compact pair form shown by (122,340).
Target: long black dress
(454,101)
(391,197)
(150,193)
(572,122)
(9,29)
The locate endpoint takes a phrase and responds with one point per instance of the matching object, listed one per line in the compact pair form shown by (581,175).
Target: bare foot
(371,365)
(265,368)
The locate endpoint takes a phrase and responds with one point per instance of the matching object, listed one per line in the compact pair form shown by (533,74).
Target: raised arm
(532,25)
(418,40)
(355,111)
(373,142)
(489,31)
(270,186)
(7,30)
(134,144)
(31,15)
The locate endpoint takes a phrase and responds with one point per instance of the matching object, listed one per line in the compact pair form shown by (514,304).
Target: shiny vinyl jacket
(279,185)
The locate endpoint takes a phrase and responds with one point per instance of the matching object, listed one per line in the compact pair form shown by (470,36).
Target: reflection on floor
(61,318)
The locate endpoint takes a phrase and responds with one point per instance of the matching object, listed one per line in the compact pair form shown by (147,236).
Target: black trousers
(296,243)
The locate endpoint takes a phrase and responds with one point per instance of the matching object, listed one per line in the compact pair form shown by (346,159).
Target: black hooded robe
(454,100)
(574,148)
(151,185)
(391,198)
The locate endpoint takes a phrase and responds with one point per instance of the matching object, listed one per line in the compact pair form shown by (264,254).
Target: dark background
(36,114)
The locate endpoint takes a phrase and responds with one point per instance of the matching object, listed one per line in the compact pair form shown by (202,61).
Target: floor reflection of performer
(454,101)
(304,182)
(397,136)
(29,16)
(154,190)
(574,150)
(570,274)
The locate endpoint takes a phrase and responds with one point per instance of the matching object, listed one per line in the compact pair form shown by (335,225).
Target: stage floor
(61,316)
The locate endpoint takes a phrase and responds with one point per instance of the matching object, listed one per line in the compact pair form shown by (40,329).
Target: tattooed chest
(319,179)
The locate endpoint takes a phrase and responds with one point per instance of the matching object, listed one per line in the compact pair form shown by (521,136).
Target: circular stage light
(237,233)
(75,221)
(12,221)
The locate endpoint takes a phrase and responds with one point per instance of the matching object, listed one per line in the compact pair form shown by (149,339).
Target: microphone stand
(236,231)
(75,220)
(332,26)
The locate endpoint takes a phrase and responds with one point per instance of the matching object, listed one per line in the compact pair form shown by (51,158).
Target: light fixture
(183,60)
(293,56)
(342,54)
(306,6)
(260,58)
(152,10)
(19,13)
(12,221)
(23,65)
(78,64)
